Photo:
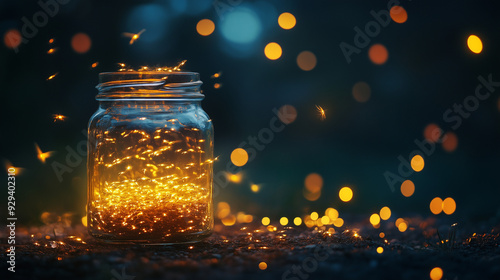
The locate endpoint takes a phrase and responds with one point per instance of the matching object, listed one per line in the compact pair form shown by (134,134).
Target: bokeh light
(417,163)
(338,222)
(314,216)
(398,14)
(81,43)
(399,221)
(381,235)
(205,27)
(266,221)
(306,60)
(241,25)
(407,188)
(325,220)
(255,188)
(449,206)
(287,114)
(287,21)
(475,44)
(402,227)
(235,178)
(273,51)
(284,221)
(378,54)
(361,92)
(12,38)
(229,220)
(345,194)
(385,213)
(380,250)
(332,213)
(262,266)
(239,157)
(375,219)
(313,182)
(450,142)
(311,196)
(432,132)
(436,273)
(436,205)
(297,221)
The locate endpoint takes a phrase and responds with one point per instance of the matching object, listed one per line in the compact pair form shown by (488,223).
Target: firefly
(321,112)
(58,117)
(216,75)
(51,41)
(217,85)
(133,36)
(94,65)
(42,156)
(9,165)
(52,76)
(52,50)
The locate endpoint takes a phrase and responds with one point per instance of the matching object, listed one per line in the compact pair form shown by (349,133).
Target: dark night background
(429,69)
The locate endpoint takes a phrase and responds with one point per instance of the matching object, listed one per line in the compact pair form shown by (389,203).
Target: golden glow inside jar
(150,159)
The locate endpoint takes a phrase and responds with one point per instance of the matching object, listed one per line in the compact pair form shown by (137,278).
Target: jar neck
(150,105)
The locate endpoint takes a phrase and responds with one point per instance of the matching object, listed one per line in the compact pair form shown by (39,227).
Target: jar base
(170,240)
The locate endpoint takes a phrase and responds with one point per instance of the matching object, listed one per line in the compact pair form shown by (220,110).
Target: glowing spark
(94,65)
(51,51)
(52,76)
(9,165)
(216,75)
(51,41)
(58,117)
(133,36)
(42,156)
(321,111)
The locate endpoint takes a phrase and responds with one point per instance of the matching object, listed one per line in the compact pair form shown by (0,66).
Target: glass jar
(150,159)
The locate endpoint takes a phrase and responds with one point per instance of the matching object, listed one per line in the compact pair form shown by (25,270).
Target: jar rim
(148,85)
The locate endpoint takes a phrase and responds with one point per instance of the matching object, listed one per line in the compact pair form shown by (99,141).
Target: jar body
(150,172)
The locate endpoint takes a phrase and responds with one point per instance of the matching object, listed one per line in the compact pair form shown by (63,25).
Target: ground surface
(289,252)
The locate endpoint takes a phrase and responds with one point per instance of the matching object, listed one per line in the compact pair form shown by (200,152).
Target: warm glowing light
(273,51)
(436,205)
(398,14)
(381,235)
(325,220)
(239,157)
(380,250)
(255,188)
(432,132)
(52,76)
(81,43)
(287,114)
(133,36)
(12,38)
(284,221)
(378,54)
(58,117)
(385,213)
(338,222)
(217,85)
(235,178)
(403,227)
(51,40)
(436,273)
(375,219)
(287,21)
(450,142)
(9,165)
(361,92)
(51,51)
(313,182)
(449,206)
(94,65)
(306,60)
(407,188)
(399,221)
(321,112)
(229,220)
(262,266)
(41,155)
(332,213)
(475,44)
(314,216)
(297,221)
(216,75)
(309,222)
(311,196)
(266,221)
(345,194)
(84,221)
(205,27)
(417,163)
